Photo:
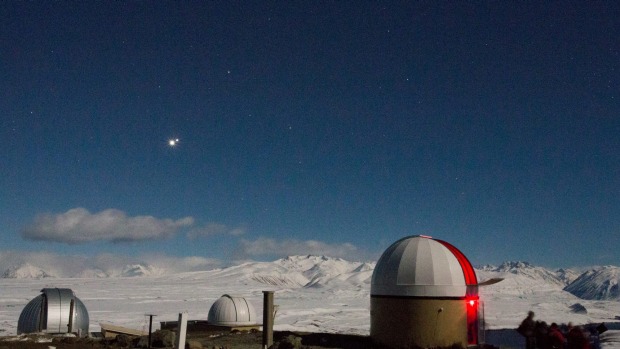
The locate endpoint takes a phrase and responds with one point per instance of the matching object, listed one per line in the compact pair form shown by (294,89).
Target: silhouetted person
(577,339)
(556,338)
(526,329)
(541,332)
(594,339)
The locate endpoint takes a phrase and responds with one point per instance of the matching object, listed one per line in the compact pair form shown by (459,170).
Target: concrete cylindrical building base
(410,322)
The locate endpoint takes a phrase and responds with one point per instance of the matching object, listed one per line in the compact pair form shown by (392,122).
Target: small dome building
(55,310)
(232,311)
(424,293)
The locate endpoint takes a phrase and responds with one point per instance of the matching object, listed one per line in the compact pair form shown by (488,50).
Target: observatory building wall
(399,322)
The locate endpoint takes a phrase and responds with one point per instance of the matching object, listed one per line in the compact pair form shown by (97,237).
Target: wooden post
(267,319)
(150,327)
(181,331)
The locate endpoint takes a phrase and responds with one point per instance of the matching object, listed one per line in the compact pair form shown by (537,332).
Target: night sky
(310,127)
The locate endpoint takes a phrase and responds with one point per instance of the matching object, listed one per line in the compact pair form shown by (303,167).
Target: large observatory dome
(420,266)
(55,310)
(424,294)
(232,311)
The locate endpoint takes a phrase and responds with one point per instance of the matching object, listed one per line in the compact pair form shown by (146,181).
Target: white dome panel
(420,266)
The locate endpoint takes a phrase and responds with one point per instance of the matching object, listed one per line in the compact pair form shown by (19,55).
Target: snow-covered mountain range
(25,271)
(528,271)
(29,271)
(600,283)
(313,293)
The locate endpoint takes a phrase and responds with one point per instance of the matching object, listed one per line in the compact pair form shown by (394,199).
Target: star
(173,142)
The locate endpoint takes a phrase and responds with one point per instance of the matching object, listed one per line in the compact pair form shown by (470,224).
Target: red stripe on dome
(468,270)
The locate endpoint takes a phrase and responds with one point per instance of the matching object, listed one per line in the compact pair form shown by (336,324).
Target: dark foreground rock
(204,340)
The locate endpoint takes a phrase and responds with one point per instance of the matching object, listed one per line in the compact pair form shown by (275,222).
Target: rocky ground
(205,340)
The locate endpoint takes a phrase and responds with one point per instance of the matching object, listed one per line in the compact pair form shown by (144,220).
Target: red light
(472,319)
(471,301)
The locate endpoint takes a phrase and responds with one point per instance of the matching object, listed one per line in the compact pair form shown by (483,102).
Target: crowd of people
(540,335)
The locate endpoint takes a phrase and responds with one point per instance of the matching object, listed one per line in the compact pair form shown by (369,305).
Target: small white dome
(419,266)
(232,311)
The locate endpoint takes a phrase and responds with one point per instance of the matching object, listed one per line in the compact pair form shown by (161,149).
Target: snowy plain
(312,293)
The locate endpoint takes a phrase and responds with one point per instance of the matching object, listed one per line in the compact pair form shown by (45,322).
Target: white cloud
(78,225)
(280,248)
(212,229)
